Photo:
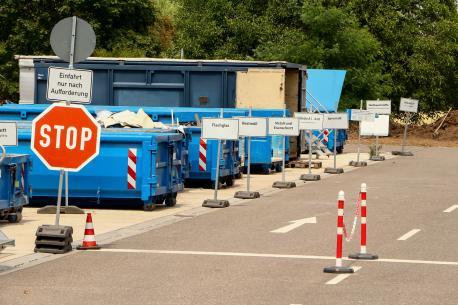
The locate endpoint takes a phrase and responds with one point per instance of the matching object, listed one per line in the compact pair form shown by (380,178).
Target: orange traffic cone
(89,242)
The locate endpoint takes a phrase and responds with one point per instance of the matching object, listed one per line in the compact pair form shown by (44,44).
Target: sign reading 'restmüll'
(69,85)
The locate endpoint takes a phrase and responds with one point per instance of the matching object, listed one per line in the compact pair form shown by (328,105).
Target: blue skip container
(229,159)
(14,186)
(136,165)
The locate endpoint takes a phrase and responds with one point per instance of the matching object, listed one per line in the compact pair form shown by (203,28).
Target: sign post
(360,115)
(378,107)
(410,106)
(335,121)
(285,127)
(309,122)
(250,127)
(219,129)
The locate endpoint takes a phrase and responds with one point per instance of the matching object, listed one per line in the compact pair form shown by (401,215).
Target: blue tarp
(326,87)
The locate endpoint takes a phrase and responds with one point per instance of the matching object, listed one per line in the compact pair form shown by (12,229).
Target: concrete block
(247,195)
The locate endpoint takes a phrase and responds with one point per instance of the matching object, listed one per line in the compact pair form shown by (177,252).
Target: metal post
(376,146)
(248,170)
(66,188)
(59,196)
(404,140)
(72,43)
(215,196)
(359,133)
(173,120)
(335,148)
(284,151)
(310,151)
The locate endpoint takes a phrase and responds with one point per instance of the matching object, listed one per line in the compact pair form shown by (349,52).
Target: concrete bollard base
(284,185)
(246,195)
(377,158)
(51,209)
(402,153)
(332,170)
(358,163)
(366,256)
(335,269)
(310,177)
(215,203)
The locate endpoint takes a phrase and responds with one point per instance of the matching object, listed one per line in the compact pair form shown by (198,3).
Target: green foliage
(122,27)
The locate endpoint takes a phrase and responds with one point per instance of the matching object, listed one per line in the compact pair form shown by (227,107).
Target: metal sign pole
(335,148)
(59,196)
(284,152)
(215,196)
(404,139)
(376,146)
(248,170)
(310,151)
(359,133)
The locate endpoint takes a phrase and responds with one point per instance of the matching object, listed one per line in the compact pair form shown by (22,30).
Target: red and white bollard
(338,268)
(363,251)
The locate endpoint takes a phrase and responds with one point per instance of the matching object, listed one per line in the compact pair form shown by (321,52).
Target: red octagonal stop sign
(65,137)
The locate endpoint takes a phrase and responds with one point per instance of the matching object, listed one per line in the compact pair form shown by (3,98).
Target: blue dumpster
(14,185)
(154,174)
(229,161)
(265,151)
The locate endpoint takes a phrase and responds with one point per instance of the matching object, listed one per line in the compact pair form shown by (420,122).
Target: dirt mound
(448,131)
(419,134)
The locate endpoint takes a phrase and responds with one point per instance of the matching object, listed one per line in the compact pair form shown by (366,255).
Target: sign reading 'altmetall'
(69,85)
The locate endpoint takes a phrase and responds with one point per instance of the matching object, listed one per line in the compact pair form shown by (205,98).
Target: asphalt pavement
(231,256)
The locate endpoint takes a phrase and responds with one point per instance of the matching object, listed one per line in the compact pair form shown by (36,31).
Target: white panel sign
(8,134)
(408,105)
(379,107)
(335,121)
(220,129)
(379,127)
(284,126)
(69,85)
(361,115)
(252,127)
(309,121)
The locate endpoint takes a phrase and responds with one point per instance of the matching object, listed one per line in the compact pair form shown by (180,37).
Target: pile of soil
(421,134)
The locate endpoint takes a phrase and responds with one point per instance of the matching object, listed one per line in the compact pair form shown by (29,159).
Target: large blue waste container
(265,151)
(14,185)
(229,159)
(154,175)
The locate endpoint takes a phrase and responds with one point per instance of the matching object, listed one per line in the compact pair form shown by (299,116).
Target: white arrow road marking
(451,209)
(294,225)
(342,277)
(409,234)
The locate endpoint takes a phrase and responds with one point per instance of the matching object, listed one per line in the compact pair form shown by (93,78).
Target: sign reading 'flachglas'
(220,129)
(284,126)
(309,121)
(69,85)
(335,121)
(252,127)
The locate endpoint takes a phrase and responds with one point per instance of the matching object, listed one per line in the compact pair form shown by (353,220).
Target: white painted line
(294,225)
(269,255)
(409,234)
(342,277)
(451,209)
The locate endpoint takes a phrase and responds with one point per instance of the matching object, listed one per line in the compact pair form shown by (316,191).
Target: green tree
(419,47)
(122,27)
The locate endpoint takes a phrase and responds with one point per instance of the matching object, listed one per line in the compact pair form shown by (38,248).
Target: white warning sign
(284,126)
(69,85)
(220,129)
